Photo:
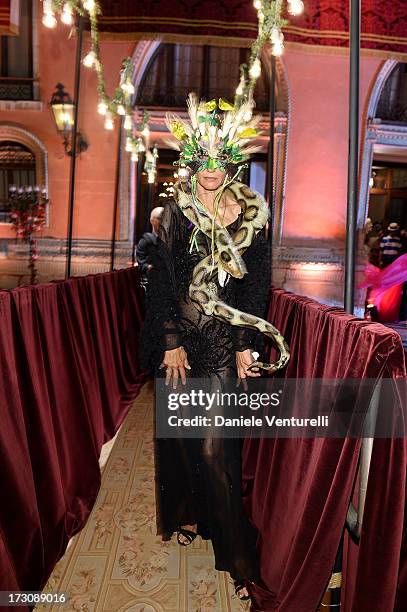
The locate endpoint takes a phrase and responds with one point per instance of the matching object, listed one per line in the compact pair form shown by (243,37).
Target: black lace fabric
(199,481)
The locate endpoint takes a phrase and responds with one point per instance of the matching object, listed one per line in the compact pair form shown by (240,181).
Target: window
(392,104)
(17,167)
(16,59)
(211,72)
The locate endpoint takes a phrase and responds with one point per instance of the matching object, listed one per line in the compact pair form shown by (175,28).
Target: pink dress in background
(386,287)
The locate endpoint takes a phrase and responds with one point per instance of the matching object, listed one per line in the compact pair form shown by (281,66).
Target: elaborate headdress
(217,135)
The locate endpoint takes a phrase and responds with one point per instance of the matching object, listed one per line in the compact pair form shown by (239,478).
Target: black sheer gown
(199,480)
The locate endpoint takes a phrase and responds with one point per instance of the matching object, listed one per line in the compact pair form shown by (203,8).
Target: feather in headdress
(216,130)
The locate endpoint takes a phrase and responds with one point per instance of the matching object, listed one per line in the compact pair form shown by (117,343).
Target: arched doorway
(23,161)
(164,75)
(383,184)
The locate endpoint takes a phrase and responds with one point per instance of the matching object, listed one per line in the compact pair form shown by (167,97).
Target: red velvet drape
(68,358)
(68,355)
(298,490)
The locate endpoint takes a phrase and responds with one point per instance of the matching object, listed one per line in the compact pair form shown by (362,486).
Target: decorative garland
(270,24)
(121,103)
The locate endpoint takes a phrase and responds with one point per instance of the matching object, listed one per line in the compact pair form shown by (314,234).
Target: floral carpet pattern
(117,563)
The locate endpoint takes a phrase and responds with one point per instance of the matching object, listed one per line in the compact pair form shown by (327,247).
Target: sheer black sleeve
(161,331)
(252,291)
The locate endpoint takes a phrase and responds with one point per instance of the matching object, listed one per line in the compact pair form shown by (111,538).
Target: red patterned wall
(4,16)
(324,22)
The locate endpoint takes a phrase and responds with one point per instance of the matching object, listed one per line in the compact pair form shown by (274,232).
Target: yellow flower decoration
(225,106)
(210,106)
(178,130)
(248,133)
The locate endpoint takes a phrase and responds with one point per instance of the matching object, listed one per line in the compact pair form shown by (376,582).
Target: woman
(199,480)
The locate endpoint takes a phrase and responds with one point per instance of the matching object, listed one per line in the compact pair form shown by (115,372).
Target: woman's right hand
(176,362)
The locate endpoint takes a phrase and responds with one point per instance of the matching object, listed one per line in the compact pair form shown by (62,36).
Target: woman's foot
(241,591)
(186,535)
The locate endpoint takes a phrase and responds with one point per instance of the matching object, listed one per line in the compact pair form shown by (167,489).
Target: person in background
(148,241)
(390,245)
(373,234)
(403,238)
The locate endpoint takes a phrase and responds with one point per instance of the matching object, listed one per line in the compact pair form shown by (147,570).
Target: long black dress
(199,481)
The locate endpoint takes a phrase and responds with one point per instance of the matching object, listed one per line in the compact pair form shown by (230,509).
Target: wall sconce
(63,109)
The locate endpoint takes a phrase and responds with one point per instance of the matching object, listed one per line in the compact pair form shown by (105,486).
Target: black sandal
(188,534)
(239,586)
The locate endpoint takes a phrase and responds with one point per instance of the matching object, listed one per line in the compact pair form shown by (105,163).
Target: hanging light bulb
(278,46)
(129,145)
(295,7)
(66,15)
(121,110)
(255,70)
(277,49)
(275,34)
(128,87)
(145,131)
(109,123)
(128,122)
(89,59)
(49,19)
(102,108)
(89,5)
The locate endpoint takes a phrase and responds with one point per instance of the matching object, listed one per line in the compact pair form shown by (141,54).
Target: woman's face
(210,180)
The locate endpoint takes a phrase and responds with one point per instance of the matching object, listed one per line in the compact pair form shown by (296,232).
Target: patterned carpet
(117,563)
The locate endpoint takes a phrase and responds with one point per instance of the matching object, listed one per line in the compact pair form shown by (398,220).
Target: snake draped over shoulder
(227,259)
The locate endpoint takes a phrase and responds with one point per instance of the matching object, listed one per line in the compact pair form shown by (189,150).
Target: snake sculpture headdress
(218,136)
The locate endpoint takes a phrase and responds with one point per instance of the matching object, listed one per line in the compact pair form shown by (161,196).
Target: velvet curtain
(69,365)
(68,357)
(297,491)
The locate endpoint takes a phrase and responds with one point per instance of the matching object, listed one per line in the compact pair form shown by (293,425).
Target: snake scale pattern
(227,257)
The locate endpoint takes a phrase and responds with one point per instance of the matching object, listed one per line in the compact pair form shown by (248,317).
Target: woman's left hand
(243,360)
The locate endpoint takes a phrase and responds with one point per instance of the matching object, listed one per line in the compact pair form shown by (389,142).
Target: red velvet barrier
(298,490)
(68,357)
(68,354)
